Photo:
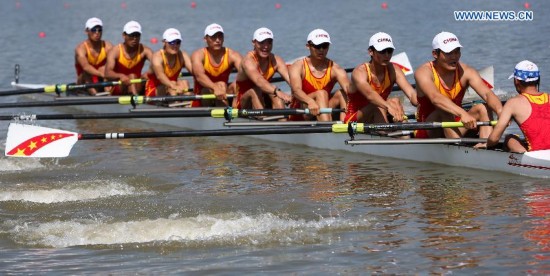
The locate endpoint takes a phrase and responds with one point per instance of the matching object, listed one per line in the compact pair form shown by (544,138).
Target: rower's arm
(110,73)
(250,68)
(235,59)
(147,53)
(295,73)
(405,86)
(282,69)
(187,62)
(158,70)
(341,77)
(476,82)
(82,60)
(503,121)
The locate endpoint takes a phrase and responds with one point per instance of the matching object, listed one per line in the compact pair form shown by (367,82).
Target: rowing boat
(440,151)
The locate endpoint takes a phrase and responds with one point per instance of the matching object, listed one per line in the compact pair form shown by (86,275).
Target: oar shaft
(163,113)
(123,100)
(214,132)
(65,87)
(220,113)
(362,128)
(416,141)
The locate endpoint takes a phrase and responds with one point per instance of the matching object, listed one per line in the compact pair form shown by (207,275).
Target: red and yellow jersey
(172,73)
(455,93)
(425,107)
(95,61)
(128,66)
(537,127)
(311,83)
(357,101)
(245,85)
(216,72)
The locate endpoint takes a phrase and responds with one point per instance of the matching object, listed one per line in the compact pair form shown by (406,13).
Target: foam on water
(227,228)
(19,164)
(84,190)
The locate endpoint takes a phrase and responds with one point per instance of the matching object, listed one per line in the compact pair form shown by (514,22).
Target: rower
(90,55)
(441,85)
(312,79)
(166,65)
(212,66)
(257,68)
(126,60)
(530,110)
(372,83)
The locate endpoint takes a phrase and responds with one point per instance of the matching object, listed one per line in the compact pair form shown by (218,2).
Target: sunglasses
(134,35)
(96,30)
(175,42)
(386,51)
(320,46)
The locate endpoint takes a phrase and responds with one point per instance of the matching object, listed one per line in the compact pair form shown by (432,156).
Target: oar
(362,128)
(123,100)
(58,88)
(35,141)
(416,141)
(190,112)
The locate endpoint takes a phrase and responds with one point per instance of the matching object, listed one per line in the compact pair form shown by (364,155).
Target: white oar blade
(34,141)
(27,85)
(488,76)
(402,61)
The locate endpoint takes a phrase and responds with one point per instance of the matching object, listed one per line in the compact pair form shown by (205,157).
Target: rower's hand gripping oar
(35,141)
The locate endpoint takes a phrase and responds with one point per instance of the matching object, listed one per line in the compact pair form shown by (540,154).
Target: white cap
(526,71)
(381,41)
(171,34)
(92,22)
(446,42)
(318,36)
(212,29)
(132,27)
(262,34)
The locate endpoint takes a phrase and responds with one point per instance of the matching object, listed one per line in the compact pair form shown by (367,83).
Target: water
(235,205)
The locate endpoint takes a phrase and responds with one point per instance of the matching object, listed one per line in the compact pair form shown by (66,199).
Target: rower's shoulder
(80,45)
(467,68)
(423,70)
(516,102)
(108,44)
(359,67)
(146,48)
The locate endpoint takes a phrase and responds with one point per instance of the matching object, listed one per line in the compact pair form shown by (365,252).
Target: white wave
(19,164)
(232,228)
(85,190)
